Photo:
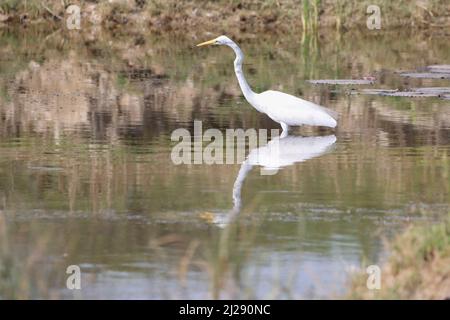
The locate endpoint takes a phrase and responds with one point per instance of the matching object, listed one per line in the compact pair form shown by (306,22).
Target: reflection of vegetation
(98,163)
(121,80)
(115,113)
(418,268)
(4,94)
(310,55)
(310,14)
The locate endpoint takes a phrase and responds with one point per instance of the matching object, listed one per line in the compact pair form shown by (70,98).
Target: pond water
(86,176)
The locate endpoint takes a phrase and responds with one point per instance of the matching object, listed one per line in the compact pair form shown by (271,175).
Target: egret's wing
(291,110)
(282,152)
(330,112)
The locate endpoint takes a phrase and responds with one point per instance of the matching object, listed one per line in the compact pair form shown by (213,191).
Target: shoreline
(197,17)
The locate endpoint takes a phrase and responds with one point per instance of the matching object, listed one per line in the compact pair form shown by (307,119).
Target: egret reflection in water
(280,152)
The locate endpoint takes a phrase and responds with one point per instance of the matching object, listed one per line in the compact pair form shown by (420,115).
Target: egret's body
(283,108)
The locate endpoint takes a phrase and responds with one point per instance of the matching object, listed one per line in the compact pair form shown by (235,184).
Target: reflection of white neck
(246,90)
(279,152)
(237,187)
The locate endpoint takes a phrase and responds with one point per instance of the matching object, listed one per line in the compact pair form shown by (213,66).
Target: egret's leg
(285,128)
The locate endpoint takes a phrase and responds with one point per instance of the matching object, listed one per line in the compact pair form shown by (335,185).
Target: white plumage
(294,111)
(285,151)
(278,153)
(283,108)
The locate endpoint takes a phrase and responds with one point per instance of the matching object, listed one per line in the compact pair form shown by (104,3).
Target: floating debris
(411,94)
(369,80)
(435,90)
(426,75)
(439,68)
(440,92)
(436,71)
(45,168)
(375,91)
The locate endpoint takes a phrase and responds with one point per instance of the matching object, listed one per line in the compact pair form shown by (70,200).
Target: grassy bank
(197,16)
(418,267)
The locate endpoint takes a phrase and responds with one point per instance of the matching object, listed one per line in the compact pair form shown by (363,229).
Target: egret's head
(222,40)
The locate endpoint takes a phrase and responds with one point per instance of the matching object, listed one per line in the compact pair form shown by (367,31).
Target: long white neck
(246,90)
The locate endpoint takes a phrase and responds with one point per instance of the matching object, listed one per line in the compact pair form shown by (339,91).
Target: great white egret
(283,108)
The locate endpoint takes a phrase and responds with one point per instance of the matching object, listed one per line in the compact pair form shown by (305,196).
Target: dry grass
(245,16)
(419,267)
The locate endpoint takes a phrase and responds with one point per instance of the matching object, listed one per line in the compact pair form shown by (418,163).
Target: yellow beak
(206,43)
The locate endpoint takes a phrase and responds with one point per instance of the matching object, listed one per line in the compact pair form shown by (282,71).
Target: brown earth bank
(200,17)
